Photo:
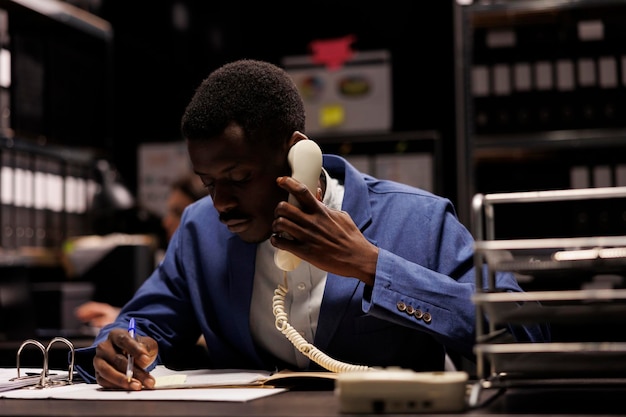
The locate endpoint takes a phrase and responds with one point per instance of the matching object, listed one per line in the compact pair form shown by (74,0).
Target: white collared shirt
(302,304)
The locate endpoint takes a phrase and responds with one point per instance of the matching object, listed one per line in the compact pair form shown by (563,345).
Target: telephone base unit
(401,391)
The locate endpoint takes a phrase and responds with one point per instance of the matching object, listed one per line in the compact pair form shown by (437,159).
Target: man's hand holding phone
(324,237)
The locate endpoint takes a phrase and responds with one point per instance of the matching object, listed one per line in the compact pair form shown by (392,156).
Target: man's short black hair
(258,96)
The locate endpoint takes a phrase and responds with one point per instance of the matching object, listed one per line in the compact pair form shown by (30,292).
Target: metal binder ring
(70,371)
(44,371)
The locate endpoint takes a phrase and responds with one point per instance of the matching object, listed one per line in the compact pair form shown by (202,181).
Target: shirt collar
(333,197)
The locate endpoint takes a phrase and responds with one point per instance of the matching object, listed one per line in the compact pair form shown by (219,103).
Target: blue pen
(129,367)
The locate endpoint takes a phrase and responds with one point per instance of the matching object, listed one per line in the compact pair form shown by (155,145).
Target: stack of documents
(28,378)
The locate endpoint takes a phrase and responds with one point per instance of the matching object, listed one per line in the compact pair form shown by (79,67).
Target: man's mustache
(232,215)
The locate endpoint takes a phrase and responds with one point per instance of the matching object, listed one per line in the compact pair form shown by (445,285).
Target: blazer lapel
(340,290)
(337,295)
(242,257)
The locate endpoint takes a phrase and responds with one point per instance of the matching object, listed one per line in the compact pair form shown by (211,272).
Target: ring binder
(45,379)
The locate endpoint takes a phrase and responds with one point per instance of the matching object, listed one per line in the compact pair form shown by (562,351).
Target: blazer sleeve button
(427,318)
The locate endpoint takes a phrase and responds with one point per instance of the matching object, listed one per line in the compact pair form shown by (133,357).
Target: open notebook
(204,378)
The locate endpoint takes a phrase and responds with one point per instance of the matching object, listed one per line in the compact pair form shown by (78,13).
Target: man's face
(241,179)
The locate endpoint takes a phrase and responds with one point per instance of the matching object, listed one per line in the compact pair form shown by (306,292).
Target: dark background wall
(158,62)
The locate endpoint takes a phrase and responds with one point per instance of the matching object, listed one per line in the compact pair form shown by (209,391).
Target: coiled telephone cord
(307,349)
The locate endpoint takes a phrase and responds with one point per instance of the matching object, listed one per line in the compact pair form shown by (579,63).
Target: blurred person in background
(183,192)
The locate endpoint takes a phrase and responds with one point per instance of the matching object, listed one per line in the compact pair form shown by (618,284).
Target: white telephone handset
(305,159)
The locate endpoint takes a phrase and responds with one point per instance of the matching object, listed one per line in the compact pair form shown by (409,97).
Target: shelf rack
(539,95)
(571,283)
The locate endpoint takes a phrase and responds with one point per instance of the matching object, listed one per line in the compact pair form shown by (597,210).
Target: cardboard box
(355,97)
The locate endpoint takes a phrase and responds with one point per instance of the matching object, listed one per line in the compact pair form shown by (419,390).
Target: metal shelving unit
(540,93)
(574,284)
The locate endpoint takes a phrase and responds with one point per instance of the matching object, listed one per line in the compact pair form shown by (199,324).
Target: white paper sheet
(82,391)
(95,392)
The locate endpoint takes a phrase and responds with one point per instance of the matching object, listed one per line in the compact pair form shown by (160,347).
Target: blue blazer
(204,286)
